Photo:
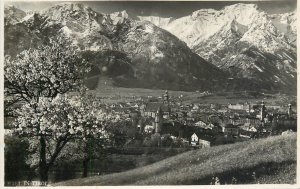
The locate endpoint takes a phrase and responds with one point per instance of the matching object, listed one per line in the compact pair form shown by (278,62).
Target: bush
(166,140)
(147,142)
(155,140)
(15,159)
(66,170)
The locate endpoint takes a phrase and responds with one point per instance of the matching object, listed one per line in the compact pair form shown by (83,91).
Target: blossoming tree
(35,78)
(44,72)
(94,123)
(58,121)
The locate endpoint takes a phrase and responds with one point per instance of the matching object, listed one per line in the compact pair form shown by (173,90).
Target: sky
(161,8)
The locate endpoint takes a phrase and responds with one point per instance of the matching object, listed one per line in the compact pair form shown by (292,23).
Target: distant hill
(265,161)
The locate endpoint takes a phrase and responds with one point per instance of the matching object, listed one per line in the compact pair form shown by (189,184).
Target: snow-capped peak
(241,7)
(158,21)
(204,23)
(201,12)
(12,8)
(81,24)
(70,6)
(118,17)
(286,22)
(70,12)
(13,14)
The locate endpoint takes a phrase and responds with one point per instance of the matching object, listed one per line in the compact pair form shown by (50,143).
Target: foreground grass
(270,160)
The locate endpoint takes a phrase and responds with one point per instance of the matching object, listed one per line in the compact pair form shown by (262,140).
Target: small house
(201,141)
(200,124)
(194,140)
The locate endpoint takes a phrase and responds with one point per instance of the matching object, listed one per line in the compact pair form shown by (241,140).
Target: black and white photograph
(149,93)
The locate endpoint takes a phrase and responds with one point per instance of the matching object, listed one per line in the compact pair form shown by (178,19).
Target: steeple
(248,107)
(158,115)
(262,111)
(166,97)
(158,120)
(290,110)
(166,101)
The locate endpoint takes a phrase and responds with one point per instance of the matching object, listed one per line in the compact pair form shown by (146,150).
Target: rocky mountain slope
(243,40)
(13,15)
(246,47)
(286,23)
(134,53)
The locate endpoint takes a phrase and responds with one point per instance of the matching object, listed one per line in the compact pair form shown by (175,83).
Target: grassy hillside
(270,160)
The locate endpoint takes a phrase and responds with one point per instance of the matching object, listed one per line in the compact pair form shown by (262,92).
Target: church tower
(290,111)
(166,103)
(262,111)
(166,97)
(248,107)
(158,120)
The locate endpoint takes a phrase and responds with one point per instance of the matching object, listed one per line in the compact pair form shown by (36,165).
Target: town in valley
(113,93)
(171,122)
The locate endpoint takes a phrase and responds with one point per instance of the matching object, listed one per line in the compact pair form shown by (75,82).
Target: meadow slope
(269,160)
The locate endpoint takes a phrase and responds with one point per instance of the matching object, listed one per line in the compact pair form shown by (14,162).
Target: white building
(200,124)
(194,140)
(149,128)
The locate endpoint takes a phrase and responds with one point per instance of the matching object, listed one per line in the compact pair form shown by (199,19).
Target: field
(270,160)
(118,94)
(113,94)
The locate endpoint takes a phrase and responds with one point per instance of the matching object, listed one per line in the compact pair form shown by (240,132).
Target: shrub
(15,159)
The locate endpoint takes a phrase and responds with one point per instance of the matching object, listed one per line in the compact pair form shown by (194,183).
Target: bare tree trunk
(43,168)
(85,160)
(85,168)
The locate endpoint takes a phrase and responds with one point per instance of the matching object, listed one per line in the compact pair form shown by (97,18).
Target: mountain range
(241,39)
(237,48)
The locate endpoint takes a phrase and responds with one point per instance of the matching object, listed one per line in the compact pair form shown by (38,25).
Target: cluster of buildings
(204,125)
